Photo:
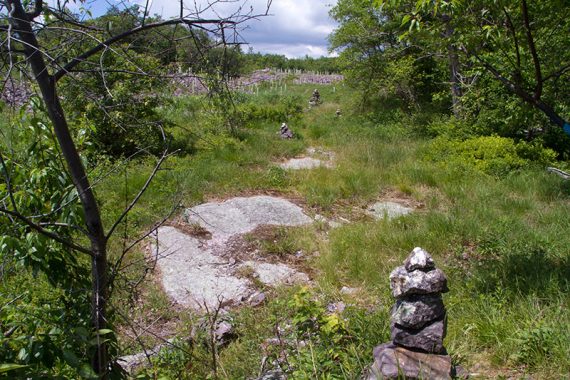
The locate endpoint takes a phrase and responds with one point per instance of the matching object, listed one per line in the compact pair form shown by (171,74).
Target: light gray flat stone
(242,215)
(276,274)
(192,275)
(198,273)
(390,210)
(131,363)
(304,163)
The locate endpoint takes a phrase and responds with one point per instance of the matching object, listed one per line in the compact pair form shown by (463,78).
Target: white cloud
(294,28)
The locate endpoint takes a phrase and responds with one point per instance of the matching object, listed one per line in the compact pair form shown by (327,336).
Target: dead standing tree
(22,22)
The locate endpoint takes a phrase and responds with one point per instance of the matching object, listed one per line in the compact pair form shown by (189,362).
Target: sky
(294,28)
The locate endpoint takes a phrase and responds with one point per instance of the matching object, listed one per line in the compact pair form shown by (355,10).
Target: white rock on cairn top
(419,259)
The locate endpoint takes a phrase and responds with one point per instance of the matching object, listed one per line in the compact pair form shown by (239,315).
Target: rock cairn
(418,324)
(315,98)
(285,132)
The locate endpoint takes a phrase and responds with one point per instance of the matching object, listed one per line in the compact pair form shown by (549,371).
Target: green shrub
(119,111)
(489,154)
(274,108)
(452,128)
(535,152)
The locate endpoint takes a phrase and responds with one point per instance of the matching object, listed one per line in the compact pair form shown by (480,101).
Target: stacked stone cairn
(315,99)
(285,132)
(418,324)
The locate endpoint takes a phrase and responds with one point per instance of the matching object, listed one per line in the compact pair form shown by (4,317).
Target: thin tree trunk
(453,58)
(21,22)
(455,83)
(454,79)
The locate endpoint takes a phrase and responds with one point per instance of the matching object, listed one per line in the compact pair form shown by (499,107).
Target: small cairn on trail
(418,324)
(285,132)
(315,99)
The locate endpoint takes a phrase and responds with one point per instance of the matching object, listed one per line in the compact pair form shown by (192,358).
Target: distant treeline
(255,61)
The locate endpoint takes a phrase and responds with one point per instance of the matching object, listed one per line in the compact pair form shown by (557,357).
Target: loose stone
(404,283)
(429,338)
(417,311)
(419,259)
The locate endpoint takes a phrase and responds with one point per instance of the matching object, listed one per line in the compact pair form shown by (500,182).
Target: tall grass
(502,240)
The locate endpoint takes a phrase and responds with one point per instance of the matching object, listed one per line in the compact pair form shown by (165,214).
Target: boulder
(393,362)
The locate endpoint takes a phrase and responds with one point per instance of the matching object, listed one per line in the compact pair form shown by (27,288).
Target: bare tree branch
(533,53)
(82,57)
(143,189)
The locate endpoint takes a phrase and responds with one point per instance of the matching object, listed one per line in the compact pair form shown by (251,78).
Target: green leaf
(5,367)
(104,332)
(71,358)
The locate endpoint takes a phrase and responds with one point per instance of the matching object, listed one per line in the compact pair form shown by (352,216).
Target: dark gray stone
(404,283)
(224,333)
(392,362)
(273,375)
(415,312)
(429,338)
(257,299)
(419,259)
(315,98)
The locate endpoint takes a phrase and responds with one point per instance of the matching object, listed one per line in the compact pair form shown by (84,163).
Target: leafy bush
(44,318)
(453,128)
(274,108)
(489,154)
(119,111)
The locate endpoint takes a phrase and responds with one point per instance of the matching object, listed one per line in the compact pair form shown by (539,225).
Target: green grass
(502,240)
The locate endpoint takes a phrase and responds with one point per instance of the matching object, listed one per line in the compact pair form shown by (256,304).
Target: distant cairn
(285,132)
(315,99)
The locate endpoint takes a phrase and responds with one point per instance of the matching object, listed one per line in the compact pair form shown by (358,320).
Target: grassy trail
(502,241)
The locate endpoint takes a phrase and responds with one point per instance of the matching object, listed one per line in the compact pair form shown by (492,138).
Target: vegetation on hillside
(425,120)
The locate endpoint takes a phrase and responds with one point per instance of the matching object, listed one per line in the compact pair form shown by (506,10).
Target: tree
(49,44)
(375,58)
(522,45)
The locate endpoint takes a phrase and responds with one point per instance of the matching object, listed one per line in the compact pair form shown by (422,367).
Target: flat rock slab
(242,215)
(271,274)
(316,158)
(390,210)
(192,275)
(304,163)
(199,273)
